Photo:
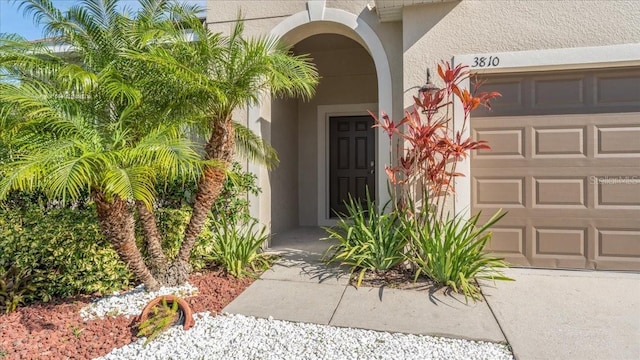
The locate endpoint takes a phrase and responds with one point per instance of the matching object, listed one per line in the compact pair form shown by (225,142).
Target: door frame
(324,113)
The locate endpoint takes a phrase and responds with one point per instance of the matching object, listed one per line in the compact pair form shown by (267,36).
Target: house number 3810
(483,62)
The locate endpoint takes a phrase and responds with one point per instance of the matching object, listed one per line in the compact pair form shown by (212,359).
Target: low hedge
(63,249)
(67,255)
(60,246)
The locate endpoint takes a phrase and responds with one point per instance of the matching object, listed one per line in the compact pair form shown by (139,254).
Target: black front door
(352,160)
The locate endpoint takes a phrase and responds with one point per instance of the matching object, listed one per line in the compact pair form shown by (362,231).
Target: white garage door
(565,164)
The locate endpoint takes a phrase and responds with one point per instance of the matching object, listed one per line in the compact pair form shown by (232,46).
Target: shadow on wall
(438,11)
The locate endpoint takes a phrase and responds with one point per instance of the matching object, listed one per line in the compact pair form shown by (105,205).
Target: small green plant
(113,312)
(162,317)
(451,252)
(15,285)
(238,247)
(3,353)
(368,240)
(76,331)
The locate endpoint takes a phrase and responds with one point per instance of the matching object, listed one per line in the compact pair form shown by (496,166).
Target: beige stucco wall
(427,34)
(348,77)
(283,179)
(262,16)
(439,31)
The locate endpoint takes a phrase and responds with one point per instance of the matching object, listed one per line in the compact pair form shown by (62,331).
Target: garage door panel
(560,242)
(618,140)
(618,193)
(560,192)
(617,248)
(618,243)
(566,168)
(507,240)
(505,143)
(511,90)
(509,243)
(499,192)
(617,89)
(563,142)
(558,92)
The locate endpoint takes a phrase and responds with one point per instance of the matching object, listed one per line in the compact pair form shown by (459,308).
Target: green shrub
(67,255)
(232,202)
(368,240)
(171,224)
(64,250)
(451,252)
(238,247)
(173,214)
(15,283)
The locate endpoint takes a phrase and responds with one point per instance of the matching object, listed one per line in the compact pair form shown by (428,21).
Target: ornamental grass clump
(15,285)
(368,239)
(237,248)
(451,253)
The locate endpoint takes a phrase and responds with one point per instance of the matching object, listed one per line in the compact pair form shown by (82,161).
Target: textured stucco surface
(437,32)
(428,34)
(348,77)
(284,178)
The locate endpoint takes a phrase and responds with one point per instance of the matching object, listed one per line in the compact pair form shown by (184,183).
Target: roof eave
(391,10)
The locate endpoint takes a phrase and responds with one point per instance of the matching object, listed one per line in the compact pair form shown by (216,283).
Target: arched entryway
(326,145)
(356,77)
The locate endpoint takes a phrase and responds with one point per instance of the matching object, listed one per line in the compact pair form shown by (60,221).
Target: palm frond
(292,75)
(68,179)
(132,183)
(22,174)
(173,156)
(43,13)
(253,147)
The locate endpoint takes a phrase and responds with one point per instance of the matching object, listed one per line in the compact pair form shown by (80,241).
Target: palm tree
(112,115)
(89,120)
(225,73)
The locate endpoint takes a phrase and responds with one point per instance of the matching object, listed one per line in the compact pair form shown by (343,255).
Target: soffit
(391,10)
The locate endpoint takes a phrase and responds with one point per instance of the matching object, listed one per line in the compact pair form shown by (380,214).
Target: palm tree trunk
(118,226)
(153,239)
(220,147)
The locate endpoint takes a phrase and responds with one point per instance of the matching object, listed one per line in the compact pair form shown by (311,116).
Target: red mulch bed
(56,331)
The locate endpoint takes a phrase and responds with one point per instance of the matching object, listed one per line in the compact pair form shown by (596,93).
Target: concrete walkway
(544,314)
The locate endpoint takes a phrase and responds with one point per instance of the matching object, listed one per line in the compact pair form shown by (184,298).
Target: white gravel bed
(132,302)
(243,337)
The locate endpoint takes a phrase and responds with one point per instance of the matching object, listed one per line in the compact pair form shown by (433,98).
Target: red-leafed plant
(427,147)
(447,248)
